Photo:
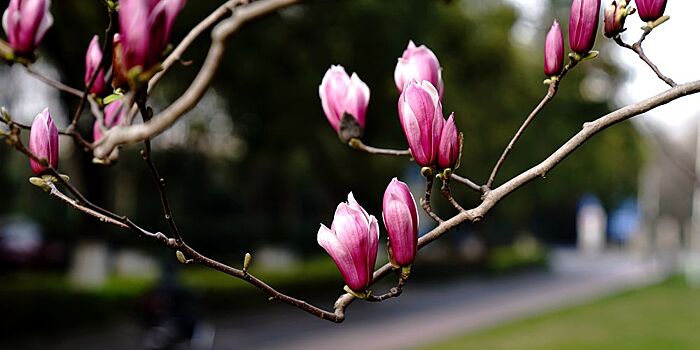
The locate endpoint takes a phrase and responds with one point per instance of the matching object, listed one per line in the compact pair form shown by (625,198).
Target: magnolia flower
(25,22)
(113,116)
(650,10)
(144,27)
(420,113)
(554,51)
(418,63)
(448,151)
(583,25)
(352,242)
(43,142)
(614,17)
(344,99)
(400,217)
(93,58)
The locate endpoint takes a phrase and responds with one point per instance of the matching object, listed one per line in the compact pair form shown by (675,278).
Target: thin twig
(359,145)
(51,82)
(469,183)
(393,292)
(551,92)
(159,180)
(637,48)
(445,189)
(425,201)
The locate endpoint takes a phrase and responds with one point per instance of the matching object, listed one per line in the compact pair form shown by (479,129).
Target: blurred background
(255,168)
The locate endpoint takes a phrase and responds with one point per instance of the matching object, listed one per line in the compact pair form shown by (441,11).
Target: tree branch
(359,145)
(637,48)
(551,92)
(166,118)
(469,183)
(425,201)
(51,82)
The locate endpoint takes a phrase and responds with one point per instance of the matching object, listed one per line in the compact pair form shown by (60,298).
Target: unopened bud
(651,10)
(246,261)
(583,25)
(554,51)
(614,18)
(181,257)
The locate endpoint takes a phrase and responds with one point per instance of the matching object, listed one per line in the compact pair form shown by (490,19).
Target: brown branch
(637,48)
(445,189)
(425,201)
(469,183)
(393,292)
(51,82)
(490,199)
(359,145)
(163,120)
(196,257)
(551,92)
(159,180)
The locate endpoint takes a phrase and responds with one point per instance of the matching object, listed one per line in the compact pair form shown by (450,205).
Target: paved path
(429,313)
(422,315)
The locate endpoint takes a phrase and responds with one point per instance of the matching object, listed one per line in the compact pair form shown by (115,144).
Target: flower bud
(614,17)
(93,58)
(448,151)
(25,22)
(420,114)
(43,142)
(113,116)
(120,74)
(400,216)
(418,63)
(344,100)
(583,25)
(145,26)
(554,51)
(650,10)
(352,242)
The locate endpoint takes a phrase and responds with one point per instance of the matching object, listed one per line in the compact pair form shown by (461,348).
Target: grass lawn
(665,316)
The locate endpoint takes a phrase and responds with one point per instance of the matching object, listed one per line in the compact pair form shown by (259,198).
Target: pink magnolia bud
(418,63)
(43,142)
(583,25)
(614,17)
(420,113)
(93,58)
(400,217)
(650,10)
(344,100)
(448,152)
(113,116)
(25,22)
(352,242)
(145,27)
(554,51)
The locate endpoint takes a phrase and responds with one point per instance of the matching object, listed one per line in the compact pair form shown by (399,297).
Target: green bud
(246,261)
(181,257)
